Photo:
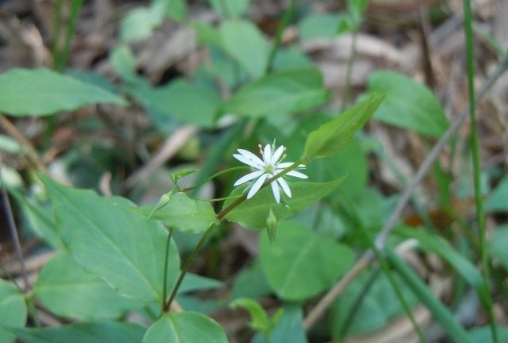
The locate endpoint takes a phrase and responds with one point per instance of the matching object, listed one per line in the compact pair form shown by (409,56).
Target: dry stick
(13,131)
(315,314)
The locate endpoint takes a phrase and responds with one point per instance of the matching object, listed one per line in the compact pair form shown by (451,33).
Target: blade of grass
(439,312)
(475,152)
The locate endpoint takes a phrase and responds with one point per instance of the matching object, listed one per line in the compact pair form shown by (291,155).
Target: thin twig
(315,314)
(14,232)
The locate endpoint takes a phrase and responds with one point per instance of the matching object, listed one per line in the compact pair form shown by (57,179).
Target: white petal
(256,186)
(276,191)
(285,186)
(249,155)
(277,155)
(297,174)
(248,161)
(284,165)
(267,154)
(248,177)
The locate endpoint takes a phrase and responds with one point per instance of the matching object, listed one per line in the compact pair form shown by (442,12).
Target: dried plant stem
(32,155)
(317,312)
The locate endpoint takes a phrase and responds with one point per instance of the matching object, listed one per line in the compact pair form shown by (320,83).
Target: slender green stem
(187,266)
(56,31)
(349,71)
(166,263)
(286,19)
(71,27)
(475,152)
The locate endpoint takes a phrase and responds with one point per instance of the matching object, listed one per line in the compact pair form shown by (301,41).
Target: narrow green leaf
(67,290)
(332,137)
(408,104)
(253,213)
(91,332)
(439,312)
(43,92)
(185,327)
(12,310)
(461,265)
(120,246)
(279,93)
(259,318)
(183,213)
(290,262)
(246,44)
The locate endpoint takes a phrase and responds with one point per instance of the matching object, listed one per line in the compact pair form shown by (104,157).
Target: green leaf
(125,63)
(41,222)
(43,92)
(289,328)
(320,26)
(245,43)
(484,334)
(496,201)
(67,290)
(183,213)
(440,313)
(498,243)
(183,101)
(193,282)
(259,319)
(230,8)
(252,213)
(176,9)
(251,282)
(290,262)
(140,22)
(12,310)
(408,104)
(332,137)
(442,248)
(185,327)
(120,246)
(279,93)
(377,308)
(91,332)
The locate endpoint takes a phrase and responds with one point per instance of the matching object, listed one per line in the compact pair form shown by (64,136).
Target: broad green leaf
(289,328)
(463,266)
(250,282)
(67,290)
(90,332)
(377,308)
(498,244)
(252,213)
(279,93)
(183,101)
(185,327)
(140,22)
(39,218)
(109,240)
(194,282)
(408,104)
(332,137)
(320,26)
(497,200)
(42,92)
(290,263)
(12,310)
(176,9)
(124,63)
(229,8)
(290,59)
(246,44)
(183,213)
(258,316)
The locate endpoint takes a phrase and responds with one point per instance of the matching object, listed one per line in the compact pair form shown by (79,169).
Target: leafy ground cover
(253,171)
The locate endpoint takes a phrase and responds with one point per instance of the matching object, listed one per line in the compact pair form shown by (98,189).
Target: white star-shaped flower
(263,169)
